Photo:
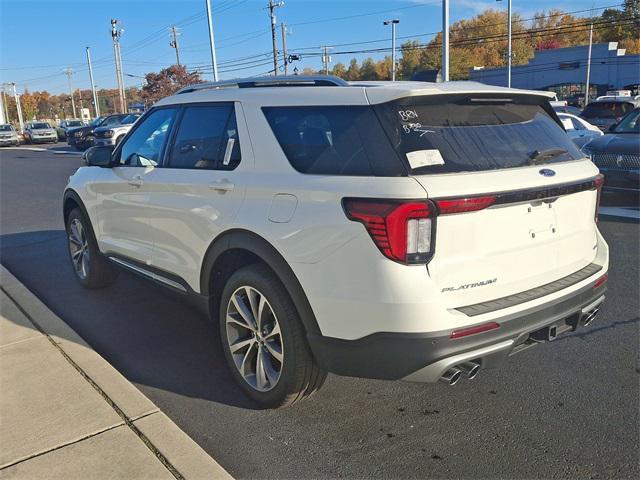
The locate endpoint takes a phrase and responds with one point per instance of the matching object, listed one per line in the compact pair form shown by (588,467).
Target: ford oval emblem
(547,172)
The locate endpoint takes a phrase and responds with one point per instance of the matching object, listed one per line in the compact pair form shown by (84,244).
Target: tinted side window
(334,140)
(207,138)
(145,145)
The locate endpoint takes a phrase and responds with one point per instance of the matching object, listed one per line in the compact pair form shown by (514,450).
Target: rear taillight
(601,281)
(465,332)
(598,183)
(461,205)
(403,231)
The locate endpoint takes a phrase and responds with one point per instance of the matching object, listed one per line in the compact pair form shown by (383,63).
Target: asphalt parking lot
(568,409)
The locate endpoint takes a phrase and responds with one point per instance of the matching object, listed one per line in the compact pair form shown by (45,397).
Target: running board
(149,274)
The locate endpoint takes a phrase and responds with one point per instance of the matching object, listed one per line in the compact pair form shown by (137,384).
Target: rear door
(540,226)
(199,189)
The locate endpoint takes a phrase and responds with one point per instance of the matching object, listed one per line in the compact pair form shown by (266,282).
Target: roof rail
(281,81)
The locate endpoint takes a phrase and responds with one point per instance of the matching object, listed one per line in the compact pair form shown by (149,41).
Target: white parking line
(40,149)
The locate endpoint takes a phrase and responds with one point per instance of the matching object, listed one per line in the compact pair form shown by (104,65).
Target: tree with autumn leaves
(167,82)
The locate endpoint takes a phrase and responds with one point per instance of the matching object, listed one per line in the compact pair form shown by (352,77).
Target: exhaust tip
(471,369)
(451,376)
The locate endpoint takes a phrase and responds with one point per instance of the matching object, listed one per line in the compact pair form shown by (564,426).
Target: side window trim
(175,128)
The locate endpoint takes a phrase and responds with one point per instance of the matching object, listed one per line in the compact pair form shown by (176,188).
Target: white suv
(400,230)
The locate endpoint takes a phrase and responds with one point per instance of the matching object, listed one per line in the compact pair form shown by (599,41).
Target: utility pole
(326,59)
(284,49)
(445,40)
(174,43)
(4,115)
(393,24)
(212,42)
(586,91)
(116,33)
(68,72)
(18,106)
(509,54)
(96,106)
(272,6)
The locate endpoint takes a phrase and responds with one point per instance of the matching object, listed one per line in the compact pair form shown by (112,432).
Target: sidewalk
(66,413)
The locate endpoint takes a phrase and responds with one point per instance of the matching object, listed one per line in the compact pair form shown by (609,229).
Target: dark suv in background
(82,138)
(604,112)
(617,155)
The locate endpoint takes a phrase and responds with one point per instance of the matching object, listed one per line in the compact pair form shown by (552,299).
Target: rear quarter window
(334,140)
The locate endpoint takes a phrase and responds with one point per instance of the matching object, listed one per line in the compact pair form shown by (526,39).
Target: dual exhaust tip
(453,374)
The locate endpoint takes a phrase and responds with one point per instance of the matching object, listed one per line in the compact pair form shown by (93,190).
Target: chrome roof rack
(280,81)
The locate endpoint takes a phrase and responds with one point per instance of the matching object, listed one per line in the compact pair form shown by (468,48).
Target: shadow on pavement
(150,335)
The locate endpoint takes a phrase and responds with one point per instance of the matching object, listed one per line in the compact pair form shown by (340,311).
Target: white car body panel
(171,220)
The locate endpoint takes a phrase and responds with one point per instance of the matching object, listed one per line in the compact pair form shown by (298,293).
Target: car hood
(104,129)
(623,143)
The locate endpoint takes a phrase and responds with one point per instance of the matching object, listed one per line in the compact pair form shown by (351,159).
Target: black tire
(98,271)
(299,375)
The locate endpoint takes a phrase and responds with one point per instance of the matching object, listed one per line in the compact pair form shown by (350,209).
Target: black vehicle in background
(66,126)
(604,112)
(617,155)
(83,137)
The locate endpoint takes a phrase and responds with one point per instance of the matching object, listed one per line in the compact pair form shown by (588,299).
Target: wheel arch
(247,248)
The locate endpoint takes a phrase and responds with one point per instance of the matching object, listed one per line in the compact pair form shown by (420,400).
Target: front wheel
(264,341)
(91,268)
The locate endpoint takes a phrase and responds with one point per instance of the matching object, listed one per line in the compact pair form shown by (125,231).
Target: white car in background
(112,135)
(407,230)
(578,129)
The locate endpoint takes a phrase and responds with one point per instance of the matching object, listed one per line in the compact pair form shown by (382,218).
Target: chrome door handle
(222,186)
(135,181)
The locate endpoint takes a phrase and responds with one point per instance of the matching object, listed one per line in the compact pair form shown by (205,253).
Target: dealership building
(564,71)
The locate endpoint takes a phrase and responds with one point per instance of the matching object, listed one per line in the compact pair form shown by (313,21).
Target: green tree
(339,70)
(353,72)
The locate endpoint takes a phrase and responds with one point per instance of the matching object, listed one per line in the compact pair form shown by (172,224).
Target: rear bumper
(424,357)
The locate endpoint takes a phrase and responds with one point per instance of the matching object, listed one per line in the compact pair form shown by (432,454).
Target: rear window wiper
(540,156)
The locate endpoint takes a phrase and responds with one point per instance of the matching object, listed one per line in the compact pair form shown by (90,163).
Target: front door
(124,195)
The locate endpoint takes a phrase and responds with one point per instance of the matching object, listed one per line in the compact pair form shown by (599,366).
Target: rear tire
(90,267)
(271,359)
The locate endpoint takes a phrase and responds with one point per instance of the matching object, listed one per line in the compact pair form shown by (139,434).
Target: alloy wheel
(79,248)
(254,338)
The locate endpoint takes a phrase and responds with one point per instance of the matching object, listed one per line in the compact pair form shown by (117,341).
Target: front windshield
(607,110)
(5,128)
(39,126)
(76,123)
(629,124)
(449,134)
(97,121)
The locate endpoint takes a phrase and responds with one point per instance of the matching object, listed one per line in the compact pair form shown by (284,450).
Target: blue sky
(38,39)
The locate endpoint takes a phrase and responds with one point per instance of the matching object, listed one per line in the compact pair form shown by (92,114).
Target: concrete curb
(175,449)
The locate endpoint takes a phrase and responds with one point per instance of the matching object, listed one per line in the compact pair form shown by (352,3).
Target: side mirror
(99,156)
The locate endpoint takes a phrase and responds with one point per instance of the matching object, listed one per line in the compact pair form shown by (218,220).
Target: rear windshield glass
(459,134)
(334,140)
(607,109)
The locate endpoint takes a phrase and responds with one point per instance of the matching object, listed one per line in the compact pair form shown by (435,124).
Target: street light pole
(212,42)
(509,54)
(116,33)
(586,92)
(93,87)
(445,40)
(393,24)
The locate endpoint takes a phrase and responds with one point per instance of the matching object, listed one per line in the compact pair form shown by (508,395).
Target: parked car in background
(111,135)
(66,126)
(578,129)
(83,137)
(40,132)
(561,106)
(606,111)
(617,155)
(8,135)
